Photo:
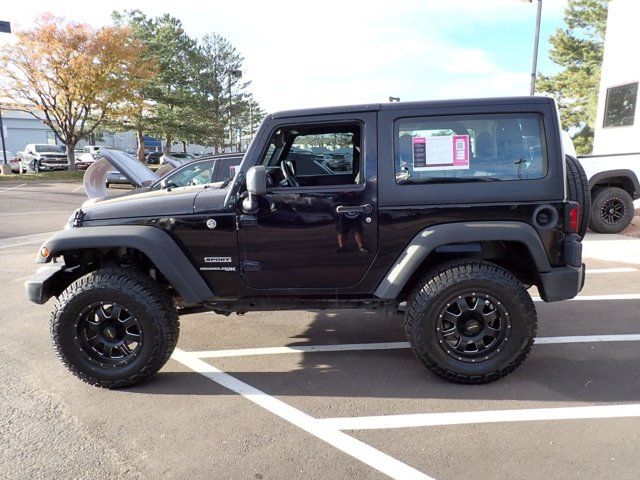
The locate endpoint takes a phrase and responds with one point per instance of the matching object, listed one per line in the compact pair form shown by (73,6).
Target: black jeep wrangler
(448,210)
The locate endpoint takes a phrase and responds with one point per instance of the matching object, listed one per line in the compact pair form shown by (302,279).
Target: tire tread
(445,275)
(144,290)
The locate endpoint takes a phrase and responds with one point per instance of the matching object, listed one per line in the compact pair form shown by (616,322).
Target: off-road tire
(601,196)
(153,308)
(449,281)
(578,186)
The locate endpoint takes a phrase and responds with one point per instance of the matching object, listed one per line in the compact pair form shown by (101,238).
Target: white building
(617,127)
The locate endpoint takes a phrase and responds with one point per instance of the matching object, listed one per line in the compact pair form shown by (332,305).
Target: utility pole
(250,121)
(235,74)
(536,41)
(5,27)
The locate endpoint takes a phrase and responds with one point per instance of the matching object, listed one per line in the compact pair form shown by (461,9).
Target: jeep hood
(95,178)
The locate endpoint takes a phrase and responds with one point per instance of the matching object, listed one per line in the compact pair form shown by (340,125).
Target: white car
(90,153)
(614,181)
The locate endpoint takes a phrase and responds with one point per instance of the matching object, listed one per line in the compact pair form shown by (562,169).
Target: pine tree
(578,48)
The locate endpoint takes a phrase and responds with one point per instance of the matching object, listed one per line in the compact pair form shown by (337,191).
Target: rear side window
(469,148)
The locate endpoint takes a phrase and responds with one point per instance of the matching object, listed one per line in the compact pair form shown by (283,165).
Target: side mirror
(256,186)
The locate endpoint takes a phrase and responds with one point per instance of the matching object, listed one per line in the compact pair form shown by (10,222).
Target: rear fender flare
(429,239)
(611,174)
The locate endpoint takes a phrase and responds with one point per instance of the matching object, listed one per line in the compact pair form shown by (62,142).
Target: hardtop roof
(374,107)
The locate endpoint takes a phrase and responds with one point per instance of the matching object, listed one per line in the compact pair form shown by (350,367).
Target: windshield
(50,148)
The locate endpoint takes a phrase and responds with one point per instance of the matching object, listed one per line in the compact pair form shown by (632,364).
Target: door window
(316,155)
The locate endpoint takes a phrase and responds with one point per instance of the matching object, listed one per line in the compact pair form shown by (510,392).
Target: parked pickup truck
(38,157)
(450,209)
(614,183)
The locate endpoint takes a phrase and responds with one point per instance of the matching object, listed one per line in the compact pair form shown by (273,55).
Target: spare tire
(579,192)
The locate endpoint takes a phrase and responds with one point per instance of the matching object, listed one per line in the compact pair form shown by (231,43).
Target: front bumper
(52,166)
(45,283)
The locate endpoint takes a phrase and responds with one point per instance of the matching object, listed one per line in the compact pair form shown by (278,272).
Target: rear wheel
(612,210)
(114,327)
(470,321)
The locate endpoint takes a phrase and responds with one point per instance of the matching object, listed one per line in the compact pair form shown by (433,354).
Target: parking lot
(320,394)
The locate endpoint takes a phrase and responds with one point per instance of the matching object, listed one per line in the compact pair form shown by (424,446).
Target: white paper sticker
(441,153)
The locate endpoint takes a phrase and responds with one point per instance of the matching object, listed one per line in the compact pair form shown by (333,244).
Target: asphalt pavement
(320,395)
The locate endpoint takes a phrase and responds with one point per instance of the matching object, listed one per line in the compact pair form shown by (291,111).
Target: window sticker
(233,169)
(449,152)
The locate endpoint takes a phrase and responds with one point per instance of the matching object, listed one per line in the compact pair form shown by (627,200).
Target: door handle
(366,208)
(248,220)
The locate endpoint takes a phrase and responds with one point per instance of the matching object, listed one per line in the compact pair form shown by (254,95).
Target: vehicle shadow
(552,373)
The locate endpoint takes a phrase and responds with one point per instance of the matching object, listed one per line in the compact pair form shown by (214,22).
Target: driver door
(317,230)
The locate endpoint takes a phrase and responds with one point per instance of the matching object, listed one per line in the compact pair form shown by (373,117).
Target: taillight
(573,223)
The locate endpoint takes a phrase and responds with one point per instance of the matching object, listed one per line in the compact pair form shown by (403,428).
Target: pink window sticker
(461,150)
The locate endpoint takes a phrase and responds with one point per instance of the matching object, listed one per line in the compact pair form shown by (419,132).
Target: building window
(621,105)
(51,137)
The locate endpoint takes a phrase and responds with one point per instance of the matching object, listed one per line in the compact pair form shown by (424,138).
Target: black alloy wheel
(114,327)
(109,333)
(473,327)
(470,321)
(612,210)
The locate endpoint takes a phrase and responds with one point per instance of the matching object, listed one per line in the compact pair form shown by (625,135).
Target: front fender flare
(154,242)
(436,236)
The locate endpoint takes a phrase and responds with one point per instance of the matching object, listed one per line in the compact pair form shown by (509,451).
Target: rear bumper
(561,283)
(41,286)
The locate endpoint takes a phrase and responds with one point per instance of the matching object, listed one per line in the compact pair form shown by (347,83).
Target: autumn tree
(579,49)
(70,75)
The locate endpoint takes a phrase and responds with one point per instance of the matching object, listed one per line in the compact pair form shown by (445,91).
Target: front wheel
(470,321)
(114,327)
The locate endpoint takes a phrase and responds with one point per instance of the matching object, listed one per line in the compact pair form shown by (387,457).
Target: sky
(304,54)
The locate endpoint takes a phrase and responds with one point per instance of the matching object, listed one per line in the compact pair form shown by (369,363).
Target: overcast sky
(302,54)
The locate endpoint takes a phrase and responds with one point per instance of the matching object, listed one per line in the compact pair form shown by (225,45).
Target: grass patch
(62,175)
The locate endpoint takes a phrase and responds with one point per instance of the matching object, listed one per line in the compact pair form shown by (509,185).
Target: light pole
(234,74)
(5,27)
(536,41)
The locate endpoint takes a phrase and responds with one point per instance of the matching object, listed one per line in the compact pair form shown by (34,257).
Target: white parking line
(340,440)
(588,339)
(350,347)
(611,270)
(581,298)
(299,349)
(24,240)
(486,416)
(11,188)
(81,187)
